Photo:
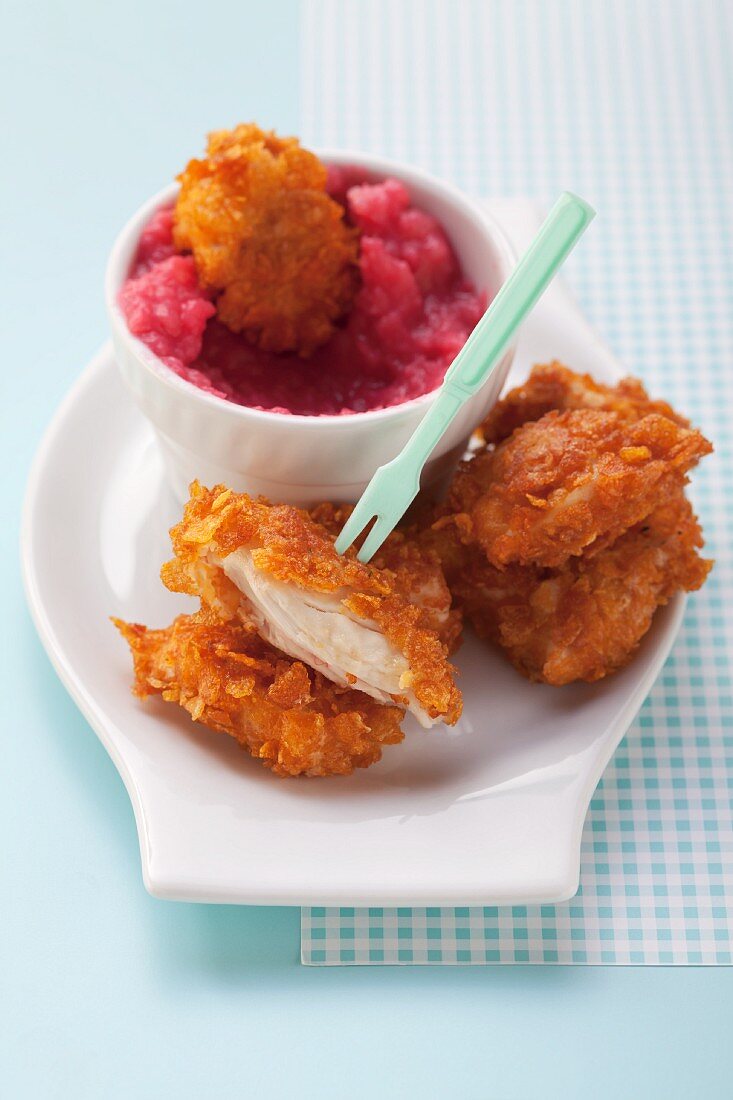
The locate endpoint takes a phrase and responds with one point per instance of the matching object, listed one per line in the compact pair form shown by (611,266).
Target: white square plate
(490,812)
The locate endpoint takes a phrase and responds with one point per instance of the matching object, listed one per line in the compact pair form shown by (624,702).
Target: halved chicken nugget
(275,567)
(417,571)
(290,718)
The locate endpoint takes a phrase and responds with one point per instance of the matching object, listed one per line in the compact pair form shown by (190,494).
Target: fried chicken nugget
(274,566)
(571,483)
(263,231)
(417,569)
(556,387)
(291,719)
(585,619)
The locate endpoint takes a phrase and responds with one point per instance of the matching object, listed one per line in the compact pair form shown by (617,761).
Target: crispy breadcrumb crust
(562,535)
(554,386)
(263,231)
(292,547)
(417,570)
(288,717)
(585,619)
(570,483)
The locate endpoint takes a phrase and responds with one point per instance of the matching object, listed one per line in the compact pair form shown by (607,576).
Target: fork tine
(353,527)
(374,539)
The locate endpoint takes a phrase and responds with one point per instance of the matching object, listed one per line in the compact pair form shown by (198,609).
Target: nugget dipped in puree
(267,238)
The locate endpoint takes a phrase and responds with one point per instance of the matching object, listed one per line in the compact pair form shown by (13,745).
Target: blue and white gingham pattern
(630,104)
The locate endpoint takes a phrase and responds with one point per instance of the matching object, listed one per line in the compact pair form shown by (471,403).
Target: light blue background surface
(107,992)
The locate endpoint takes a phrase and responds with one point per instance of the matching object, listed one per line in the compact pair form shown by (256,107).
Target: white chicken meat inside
(316,628)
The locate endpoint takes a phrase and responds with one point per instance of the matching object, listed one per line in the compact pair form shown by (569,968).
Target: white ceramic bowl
(302,459)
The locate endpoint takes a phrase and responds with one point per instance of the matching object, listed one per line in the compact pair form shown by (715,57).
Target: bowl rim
(380,166)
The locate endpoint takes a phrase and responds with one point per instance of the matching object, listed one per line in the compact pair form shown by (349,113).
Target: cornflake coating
(263,231)
(571,483)
(417,571)
(290,718)
(556,387)
(585,619)
(289,575)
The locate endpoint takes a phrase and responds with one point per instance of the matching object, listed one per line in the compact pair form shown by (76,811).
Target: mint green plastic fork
(395,485)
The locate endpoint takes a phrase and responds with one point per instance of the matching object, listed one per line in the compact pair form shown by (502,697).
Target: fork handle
(430,430)
(557,236)
(559,233)
(394,486)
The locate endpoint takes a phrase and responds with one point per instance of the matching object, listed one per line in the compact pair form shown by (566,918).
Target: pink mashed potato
(411,315)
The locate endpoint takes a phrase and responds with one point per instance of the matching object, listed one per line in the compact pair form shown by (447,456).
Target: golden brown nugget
(556,387)
(585,619)
(275,567)
(290,718)
(571,483)
(417,570)
(265,233)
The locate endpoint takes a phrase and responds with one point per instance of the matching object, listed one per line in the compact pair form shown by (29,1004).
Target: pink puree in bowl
(411,315)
